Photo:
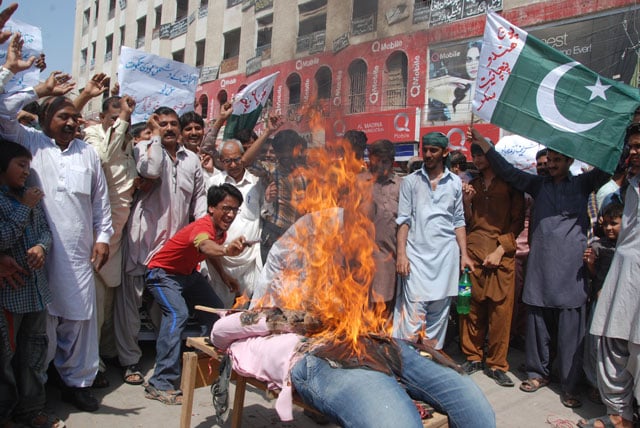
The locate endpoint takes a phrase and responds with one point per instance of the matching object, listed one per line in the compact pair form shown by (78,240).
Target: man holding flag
(248,104)
(535,91)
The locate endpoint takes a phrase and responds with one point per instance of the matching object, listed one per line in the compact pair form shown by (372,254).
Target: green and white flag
(535,91)
(248,104)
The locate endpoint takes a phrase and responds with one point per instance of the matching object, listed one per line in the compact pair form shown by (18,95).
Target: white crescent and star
(545,101)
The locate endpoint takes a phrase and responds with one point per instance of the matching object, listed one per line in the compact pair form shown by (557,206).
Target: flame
(334,284)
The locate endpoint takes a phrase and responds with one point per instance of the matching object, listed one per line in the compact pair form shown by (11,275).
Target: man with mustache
(113,142)
(176,194)
(241,271)
(555,289)
(77,206)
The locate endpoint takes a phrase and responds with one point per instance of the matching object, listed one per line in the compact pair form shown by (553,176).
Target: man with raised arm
(556,287)
(77,207)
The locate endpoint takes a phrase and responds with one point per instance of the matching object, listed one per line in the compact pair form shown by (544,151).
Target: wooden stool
(201,369)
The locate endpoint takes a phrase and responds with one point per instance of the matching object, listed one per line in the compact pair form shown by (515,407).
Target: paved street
(125,406)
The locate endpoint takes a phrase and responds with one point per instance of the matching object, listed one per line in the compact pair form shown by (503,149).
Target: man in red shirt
(175,284)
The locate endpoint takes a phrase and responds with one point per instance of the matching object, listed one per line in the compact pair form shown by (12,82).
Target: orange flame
(337,253)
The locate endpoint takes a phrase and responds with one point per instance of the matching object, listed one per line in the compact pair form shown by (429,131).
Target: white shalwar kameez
(76,203)
(246,266)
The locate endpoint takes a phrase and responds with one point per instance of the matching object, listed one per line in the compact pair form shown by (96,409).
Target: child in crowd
(25,236)
(598,258)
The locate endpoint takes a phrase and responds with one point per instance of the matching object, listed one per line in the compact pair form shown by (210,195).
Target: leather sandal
(533,384)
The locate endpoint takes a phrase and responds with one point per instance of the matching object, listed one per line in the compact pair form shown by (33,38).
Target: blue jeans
(367,398)
(176,294)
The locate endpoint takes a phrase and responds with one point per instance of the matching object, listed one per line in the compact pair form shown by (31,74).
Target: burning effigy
(313,324)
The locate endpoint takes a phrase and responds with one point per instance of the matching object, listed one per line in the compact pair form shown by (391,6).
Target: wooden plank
(187,385)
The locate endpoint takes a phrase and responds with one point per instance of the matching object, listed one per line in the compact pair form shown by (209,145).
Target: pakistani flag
(535,91)
(248,104)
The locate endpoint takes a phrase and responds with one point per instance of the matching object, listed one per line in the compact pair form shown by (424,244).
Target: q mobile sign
(395,125)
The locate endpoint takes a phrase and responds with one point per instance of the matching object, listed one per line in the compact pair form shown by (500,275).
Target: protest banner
(155,82)
(32,37)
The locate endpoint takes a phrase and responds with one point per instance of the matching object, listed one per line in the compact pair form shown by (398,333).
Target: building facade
(392,69)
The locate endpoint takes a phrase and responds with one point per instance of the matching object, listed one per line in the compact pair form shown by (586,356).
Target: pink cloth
(257,352)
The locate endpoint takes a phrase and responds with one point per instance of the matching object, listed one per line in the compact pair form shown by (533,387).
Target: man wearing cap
(432,245)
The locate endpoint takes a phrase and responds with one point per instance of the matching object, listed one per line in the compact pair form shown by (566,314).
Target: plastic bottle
(464,293)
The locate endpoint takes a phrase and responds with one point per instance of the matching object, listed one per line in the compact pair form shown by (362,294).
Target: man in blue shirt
(555,288)
(432,245)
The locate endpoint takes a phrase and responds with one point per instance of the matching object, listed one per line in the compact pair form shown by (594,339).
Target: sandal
(171,397)
(570,400)
(533,384)
(591,423)
(133,375)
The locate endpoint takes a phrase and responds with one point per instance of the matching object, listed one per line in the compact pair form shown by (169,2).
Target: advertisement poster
(451,83)
(604,44)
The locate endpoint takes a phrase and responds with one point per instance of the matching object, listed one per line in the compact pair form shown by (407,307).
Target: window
(178,55)
(293,83)
(122,34)
(231,44)
(86,16)
(357,86)
(396,88)
(112,9)
(142,28)
(203,10)
(108,52)
(93,55)
(83,57)
(265,29)
(96,5)
(323,83)
(204,105)
(200,46)
(182,9)
(158,13)
(312,26)
(365,15)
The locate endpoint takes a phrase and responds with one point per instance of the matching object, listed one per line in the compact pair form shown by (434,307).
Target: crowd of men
(95,217)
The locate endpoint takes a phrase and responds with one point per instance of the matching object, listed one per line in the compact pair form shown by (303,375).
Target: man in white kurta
(113,143)
(616,320)
(432,245)
(245,267)
(76,203)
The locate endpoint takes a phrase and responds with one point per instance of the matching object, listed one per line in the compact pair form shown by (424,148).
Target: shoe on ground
(471,367)
(570,400)
(100,381)
(39,419)
(500,377)
(82,398)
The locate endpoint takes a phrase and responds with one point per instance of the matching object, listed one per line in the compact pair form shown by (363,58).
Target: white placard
(153,81)
(32,37)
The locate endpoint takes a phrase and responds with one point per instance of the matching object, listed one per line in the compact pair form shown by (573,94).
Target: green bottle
(464,293)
